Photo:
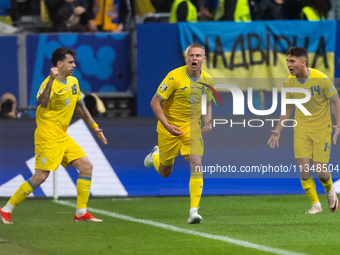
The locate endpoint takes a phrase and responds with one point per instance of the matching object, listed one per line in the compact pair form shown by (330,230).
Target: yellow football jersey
(182,97)
(321,89)
(53,121)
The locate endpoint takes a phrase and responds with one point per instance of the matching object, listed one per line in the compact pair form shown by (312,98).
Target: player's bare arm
(86,116)
(45,95)
(336,104)
(157,109)
(207,119)
(275,137)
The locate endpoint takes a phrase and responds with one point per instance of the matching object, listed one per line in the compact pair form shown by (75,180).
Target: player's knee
(165,171)
(89,167)
(165,174)
(37,180)
(195,162)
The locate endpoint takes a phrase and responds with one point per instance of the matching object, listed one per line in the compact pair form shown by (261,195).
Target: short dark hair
(60,54)
(297,52)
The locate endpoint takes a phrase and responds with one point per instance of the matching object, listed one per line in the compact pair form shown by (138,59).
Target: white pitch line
(187,231)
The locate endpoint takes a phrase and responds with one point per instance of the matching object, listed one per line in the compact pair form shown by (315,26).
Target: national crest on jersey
(53,121)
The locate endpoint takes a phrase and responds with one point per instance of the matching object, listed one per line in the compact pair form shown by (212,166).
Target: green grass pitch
(278,222)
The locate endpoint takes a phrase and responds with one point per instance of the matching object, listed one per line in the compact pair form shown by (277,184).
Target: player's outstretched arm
(336,104)
(158,110)
(207,119)
(275,137)
(86,116)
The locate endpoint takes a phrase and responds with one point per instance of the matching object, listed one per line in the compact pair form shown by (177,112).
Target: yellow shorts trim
(313,145)
(48,156)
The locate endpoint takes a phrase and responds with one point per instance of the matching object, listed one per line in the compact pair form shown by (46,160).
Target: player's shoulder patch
(332,89)
(41,91)
(163,87)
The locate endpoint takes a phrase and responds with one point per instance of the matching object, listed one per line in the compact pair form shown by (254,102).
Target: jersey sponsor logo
(184,88)
(170,78)
(164,87)
(60,91)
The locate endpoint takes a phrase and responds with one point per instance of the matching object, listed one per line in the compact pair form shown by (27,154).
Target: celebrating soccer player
(312,134)
(58,97)
(177,106)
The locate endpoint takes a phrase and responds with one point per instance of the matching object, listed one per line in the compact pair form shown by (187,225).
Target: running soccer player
(58,97)
(312,134)
(177,106)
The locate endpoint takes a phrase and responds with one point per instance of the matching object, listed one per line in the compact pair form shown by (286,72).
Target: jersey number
(74,89)
(315,89)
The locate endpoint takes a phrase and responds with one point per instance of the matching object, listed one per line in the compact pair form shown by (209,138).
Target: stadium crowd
(116,16)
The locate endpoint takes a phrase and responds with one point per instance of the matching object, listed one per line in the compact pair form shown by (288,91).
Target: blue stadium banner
(257,49)
(103,62)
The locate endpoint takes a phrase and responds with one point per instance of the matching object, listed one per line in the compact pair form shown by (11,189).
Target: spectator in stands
(161,5)
(291,9)
(144,7)
(8,106)
(314,10)
(5,7)
(334,12)
(237,10)
(266,9)
(70,15)
(116,20)
(183,10)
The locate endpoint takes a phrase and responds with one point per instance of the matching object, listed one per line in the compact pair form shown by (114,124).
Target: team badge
(164,87)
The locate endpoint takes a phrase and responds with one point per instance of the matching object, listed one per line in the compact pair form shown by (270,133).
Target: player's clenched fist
(54,72)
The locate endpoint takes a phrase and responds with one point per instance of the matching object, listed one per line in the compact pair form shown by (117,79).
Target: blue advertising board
(9,65)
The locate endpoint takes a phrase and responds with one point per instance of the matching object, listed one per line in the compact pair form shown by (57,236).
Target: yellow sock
(195,188)
(83,191)
(328,185)
(156,162)
(310,189)
(22,193)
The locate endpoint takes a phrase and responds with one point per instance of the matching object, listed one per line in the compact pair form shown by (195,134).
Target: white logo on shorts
(43,161)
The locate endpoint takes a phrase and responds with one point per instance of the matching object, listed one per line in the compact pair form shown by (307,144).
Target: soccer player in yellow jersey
(58,97)
(177,106)
(312,133)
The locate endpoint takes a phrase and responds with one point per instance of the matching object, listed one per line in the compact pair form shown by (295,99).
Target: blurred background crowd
(116,16)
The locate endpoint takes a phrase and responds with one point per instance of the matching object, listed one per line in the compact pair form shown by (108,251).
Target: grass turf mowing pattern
(273,221)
